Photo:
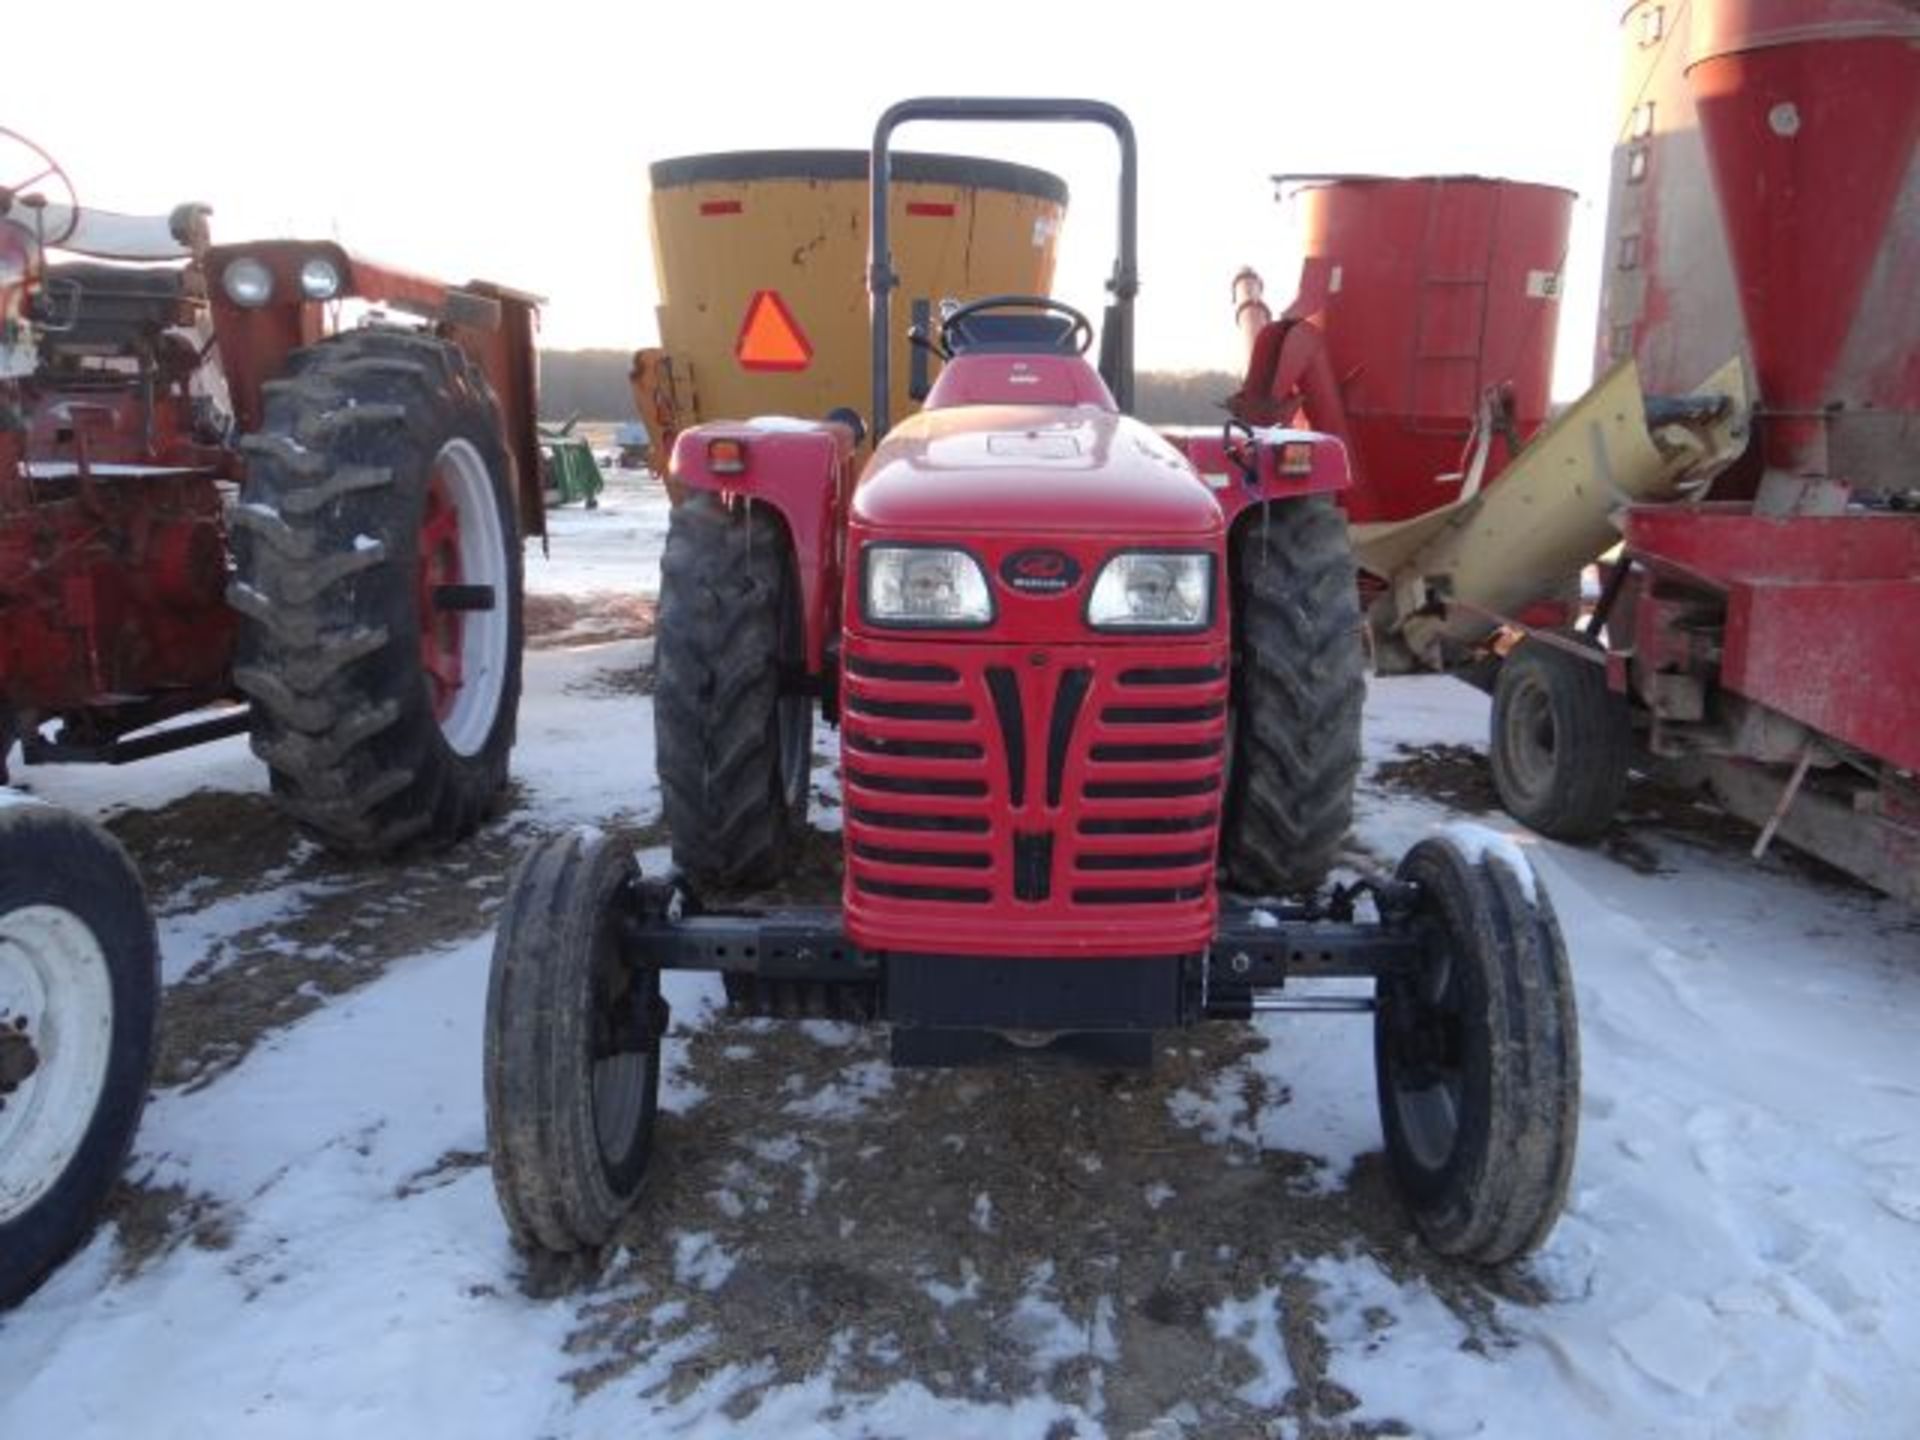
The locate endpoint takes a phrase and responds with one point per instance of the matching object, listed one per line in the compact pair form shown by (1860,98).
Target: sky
(512,143)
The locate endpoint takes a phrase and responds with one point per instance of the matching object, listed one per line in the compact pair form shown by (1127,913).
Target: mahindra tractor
(1098,692)
(224,511)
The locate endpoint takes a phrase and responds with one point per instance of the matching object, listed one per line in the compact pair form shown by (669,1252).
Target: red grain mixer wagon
(1754,631)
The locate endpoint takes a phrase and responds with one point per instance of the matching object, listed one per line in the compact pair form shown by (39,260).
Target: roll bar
(1116,330)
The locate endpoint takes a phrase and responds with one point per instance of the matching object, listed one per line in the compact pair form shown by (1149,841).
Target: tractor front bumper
(799,962)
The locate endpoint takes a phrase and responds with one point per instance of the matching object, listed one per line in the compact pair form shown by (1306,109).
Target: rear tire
(734,752)
(572,1049)
(1560,744)
(1477,1060)
(1299,687)
(79,992)
(378,481)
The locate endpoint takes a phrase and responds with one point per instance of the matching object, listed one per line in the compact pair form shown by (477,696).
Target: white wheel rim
(54,977)
(483,633)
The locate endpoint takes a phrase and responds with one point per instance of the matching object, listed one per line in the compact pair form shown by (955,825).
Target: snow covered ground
(834,1248)
(612,548)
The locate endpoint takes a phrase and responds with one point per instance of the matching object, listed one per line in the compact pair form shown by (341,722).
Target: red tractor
(1087,677)
(211,493)
(161,397)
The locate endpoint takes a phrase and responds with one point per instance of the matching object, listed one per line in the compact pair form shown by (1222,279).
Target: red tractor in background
(210,492)
(1086,676)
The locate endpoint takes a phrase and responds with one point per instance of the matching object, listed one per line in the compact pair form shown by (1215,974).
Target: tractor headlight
(918,585)
(319,279)
(1152,590)
(248,283)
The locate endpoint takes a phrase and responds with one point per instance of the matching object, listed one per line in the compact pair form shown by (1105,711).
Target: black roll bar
(1116,344)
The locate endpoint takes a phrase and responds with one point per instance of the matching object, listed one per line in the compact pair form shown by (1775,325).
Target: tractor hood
(1030,470)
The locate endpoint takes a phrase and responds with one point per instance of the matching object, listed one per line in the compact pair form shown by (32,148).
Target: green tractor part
(568,469)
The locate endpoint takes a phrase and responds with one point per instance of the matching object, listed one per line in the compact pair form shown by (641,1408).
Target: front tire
(1299,687)
(378,581)
(734,745)
(79,993)
(1477,1059)
(1560,743)
(572,1048)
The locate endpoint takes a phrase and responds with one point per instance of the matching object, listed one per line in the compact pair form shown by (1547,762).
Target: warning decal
(770,338)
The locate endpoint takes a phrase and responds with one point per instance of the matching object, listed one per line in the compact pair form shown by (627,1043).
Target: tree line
(592,384)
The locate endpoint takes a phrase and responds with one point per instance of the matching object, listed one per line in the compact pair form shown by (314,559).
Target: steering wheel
(23,166)
(1080,336)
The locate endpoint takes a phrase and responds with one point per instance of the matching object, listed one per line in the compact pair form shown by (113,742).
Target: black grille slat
(1032,865)
(1163,714)
(1151,789)
(943,859)
(1137,754)
(894,890)
(859,704)
(915,784)
(1005,689)
(1140,895)
(1066,710)
(1175,860)
(943,824)
(1150,824)
(918,673)
(913,749)
(1174,675)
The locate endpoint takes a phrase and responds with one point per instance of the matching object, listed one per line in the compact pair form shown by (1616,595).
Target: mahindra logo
(1040,572)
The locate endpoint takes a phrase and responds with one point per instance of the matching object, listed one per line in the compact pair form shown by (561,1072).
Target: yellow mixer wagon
(761,260)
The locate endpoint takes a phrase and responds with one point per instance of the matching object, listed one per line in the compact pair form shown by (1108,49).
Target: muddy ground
(1653,810)
(946,1227)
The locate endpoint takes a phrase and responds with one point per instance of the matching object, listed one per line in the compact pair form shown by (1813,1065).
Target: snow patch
(699,1261)
(1254,1325)
(983,1213)
(1478,844)
(846,1095)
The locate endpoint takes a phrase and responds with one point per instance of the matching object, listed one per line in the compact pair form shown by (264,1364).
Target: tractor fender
(1249,469)
(804,470)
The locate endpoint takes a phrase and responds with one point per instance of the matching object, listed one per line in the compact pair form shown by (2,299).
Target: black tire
(1561,742)
(328,557)
(1477,1060)
(1299,687)
(569,1140)
(734,750)
(50,858)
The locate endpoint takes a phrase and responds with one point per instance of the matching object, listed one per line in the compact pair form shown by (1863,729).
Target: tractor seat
(86,303)
(1011,334)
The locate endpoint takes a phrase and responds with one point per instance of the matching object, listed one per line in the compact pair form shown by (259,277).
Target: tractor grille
(1022,799)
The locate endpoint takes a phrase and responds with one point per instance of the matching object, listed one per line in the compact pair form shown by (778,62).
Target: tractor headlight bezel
(1156,592)
(901,587)
(248,282)
(320,278)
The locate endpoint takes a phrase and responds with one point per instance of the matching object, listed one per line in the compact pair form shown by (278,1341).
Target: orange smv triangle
(770,338)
